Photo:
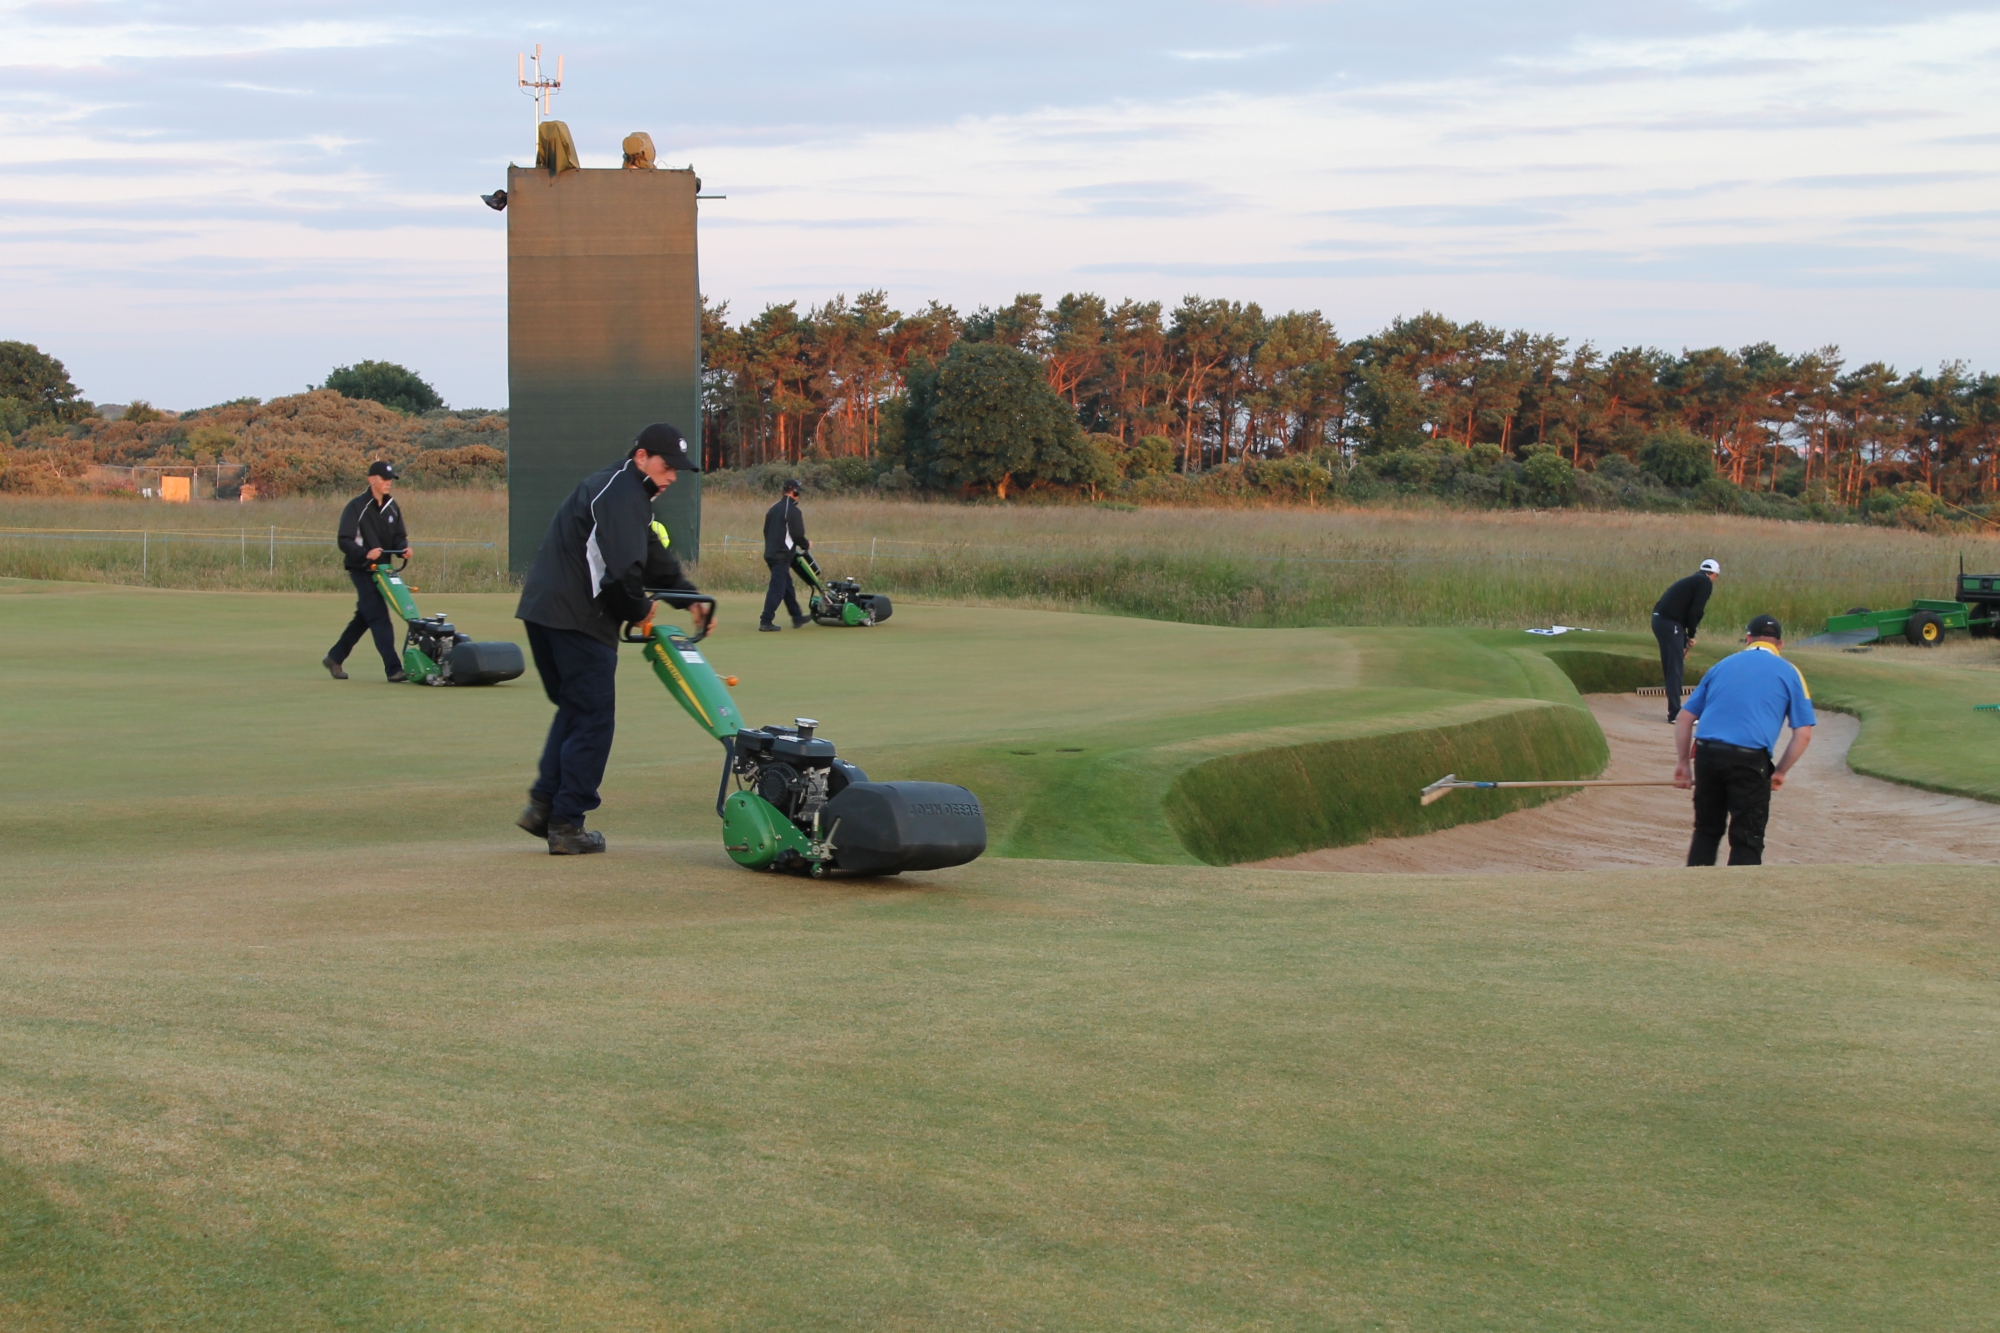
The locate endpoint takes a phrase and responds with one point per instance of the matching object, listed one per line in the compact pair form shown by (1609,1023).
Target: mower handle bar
(404,556)
(678,599)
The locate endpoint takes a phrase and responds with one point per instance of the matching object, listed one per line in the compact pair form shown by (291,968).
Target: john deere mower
(788,802)
(434,652)
(840,602)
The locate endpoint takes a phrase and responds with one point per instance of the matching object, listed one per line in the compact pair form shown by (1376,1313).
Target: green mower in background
(839,602)
(1923,622)
(796,805)
(434,652)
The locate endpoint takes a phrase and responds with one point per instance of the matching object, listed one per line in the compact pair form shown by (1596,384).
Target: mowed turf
(296,1032)
(203,720)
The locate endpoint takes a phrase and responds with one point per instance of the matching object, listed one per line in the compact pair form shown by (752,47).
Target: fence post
(243,548)
(871,555)
(273,571)
(444,573)
(145,550)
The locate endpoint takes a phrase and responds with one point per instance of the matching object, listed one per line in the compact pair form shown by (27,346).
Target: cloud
(274,177)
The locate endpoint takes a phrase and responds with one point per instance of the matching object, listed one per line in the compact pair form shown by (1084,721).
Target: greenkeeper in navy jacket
(370,527)
(1731,721)
(587,582)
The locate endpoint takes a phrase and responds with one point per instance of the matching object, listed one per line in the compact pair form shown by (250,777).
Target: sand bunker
(1826,814)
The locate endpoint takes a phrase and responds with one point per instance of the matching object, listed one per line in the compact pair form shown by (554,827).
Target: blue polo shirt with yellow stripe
(1747,697)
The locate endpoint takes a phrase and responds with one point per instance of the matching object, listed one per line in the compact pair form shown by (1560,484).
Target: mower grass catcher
(434,652)
(797,806)
(840,602)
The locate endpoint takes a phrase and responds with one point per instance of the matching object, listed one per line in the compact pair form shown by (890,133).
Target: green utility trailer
(1976,610)
(1921,622)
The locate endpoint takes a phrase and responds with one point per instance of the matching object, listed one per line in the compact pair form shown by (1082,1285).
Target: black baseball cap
(791,485)
(386,471)
(1766,627)
(664,441)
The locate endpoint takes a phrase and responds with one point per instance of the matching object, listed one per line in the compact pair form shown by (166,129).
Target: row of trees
(1225,383)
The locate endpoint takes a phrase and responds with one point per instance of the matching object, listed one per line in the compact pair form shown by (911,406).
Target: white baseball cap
(1710,567)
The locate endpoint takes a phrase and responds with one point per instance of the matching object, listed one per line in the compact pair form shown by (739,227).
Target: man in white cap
(1676,618)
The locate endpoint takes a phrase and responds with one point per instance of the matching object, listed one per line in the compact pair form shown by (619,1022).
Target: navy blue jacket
(590,574)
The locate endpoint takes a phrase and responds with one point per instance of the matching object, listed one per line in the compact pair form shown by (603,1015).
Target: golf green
(297,1032)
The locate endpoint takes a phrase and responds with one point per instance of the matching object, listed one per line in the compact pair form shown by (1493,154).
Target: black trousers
(579,674)
(1732,788)
(781,590)
(1673,637)
(371,616)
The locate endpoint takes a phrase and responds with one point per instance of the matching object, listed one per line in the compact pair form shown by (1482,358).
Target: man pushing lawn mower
(370,527)
(601,552)
(784,534)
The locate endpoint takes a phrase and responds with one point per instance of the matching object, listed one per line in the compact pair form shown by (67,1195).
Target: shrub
(386,383)
(1149,456)
(1677,457)
(1549,477)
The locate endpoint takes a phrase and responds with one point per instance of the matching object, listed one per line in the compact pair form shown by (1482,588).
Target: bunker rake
(1451,782)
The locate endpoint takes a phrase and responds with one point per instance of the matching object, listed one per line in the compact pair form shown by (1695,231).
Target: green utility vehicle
(797,806)
(434,652)
(1976,609)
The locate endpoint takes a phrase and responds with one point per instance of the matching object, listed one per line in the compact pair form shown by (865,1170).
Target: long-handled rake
(1451,782)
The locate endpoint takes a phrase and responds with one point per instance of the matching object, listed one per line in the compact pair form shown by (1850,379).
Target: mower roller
(839,602)
(434,652)
(796,805)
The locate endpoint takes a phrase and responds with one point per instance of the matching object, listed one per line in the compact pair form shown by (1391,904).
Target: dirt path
(1826,814)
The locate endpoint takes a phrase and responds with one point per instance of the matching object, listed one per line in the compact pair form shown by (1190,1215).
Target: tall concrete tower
(603,336)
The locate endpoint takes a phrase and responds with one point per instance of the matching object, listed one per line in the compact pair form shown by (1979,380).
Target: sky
(209,200)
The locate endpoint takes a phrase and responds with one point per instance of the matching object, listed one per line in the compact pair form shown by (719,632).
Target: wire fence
(268,556)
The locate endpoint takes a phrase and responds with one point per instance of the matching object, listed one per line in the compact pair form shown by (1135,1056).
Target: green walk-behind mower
(797,806)
(434,652)
(839,602)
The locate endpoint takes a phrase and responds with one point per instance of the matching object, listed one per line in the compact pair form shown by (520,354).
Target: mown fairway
(296,1032)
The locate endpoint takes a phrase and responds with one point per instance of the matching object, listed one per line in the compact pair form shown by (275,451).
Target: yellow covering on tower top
(554,148)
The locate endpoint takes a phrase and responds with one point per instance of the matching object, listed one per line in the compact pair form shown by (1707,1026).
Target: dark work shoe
(332,667)
(398,678)
(766,627)
(535,819)
(800,622)
(569,840)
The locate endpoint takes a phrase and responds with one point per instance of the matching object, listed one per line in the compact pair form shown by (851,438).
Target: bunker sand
(1826,814)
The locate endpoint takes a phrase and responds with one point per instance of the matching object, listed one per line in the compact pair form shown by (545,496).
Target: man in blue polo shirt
(1742,703)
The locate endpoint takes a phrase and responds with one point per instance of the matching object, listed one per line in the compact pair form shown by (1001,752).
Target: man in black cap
(370,527)
(587,582)
(1676,619)
(784,533)
(1742,704)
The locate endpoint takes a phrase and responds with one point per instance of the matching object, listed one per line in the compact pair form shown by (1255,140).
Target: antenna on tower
(538,89)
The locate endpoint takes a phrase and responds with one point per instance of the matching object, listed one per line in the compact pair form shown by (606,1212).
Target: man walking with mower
(784,534)
(1676,617)
(1742,703)
(587,582)
(371,527)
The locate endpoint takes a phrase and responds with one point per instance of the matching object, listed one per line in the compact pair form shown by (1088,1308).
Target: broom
(1451,782)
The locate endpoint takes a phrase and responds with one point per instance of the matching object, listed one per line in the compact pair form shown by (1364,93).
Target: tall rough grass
(1262,567)
(272,545)
(1274,567)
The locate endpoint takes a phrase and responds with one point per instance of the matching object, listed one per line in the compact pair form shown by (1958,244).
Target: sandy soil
(1825,814)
